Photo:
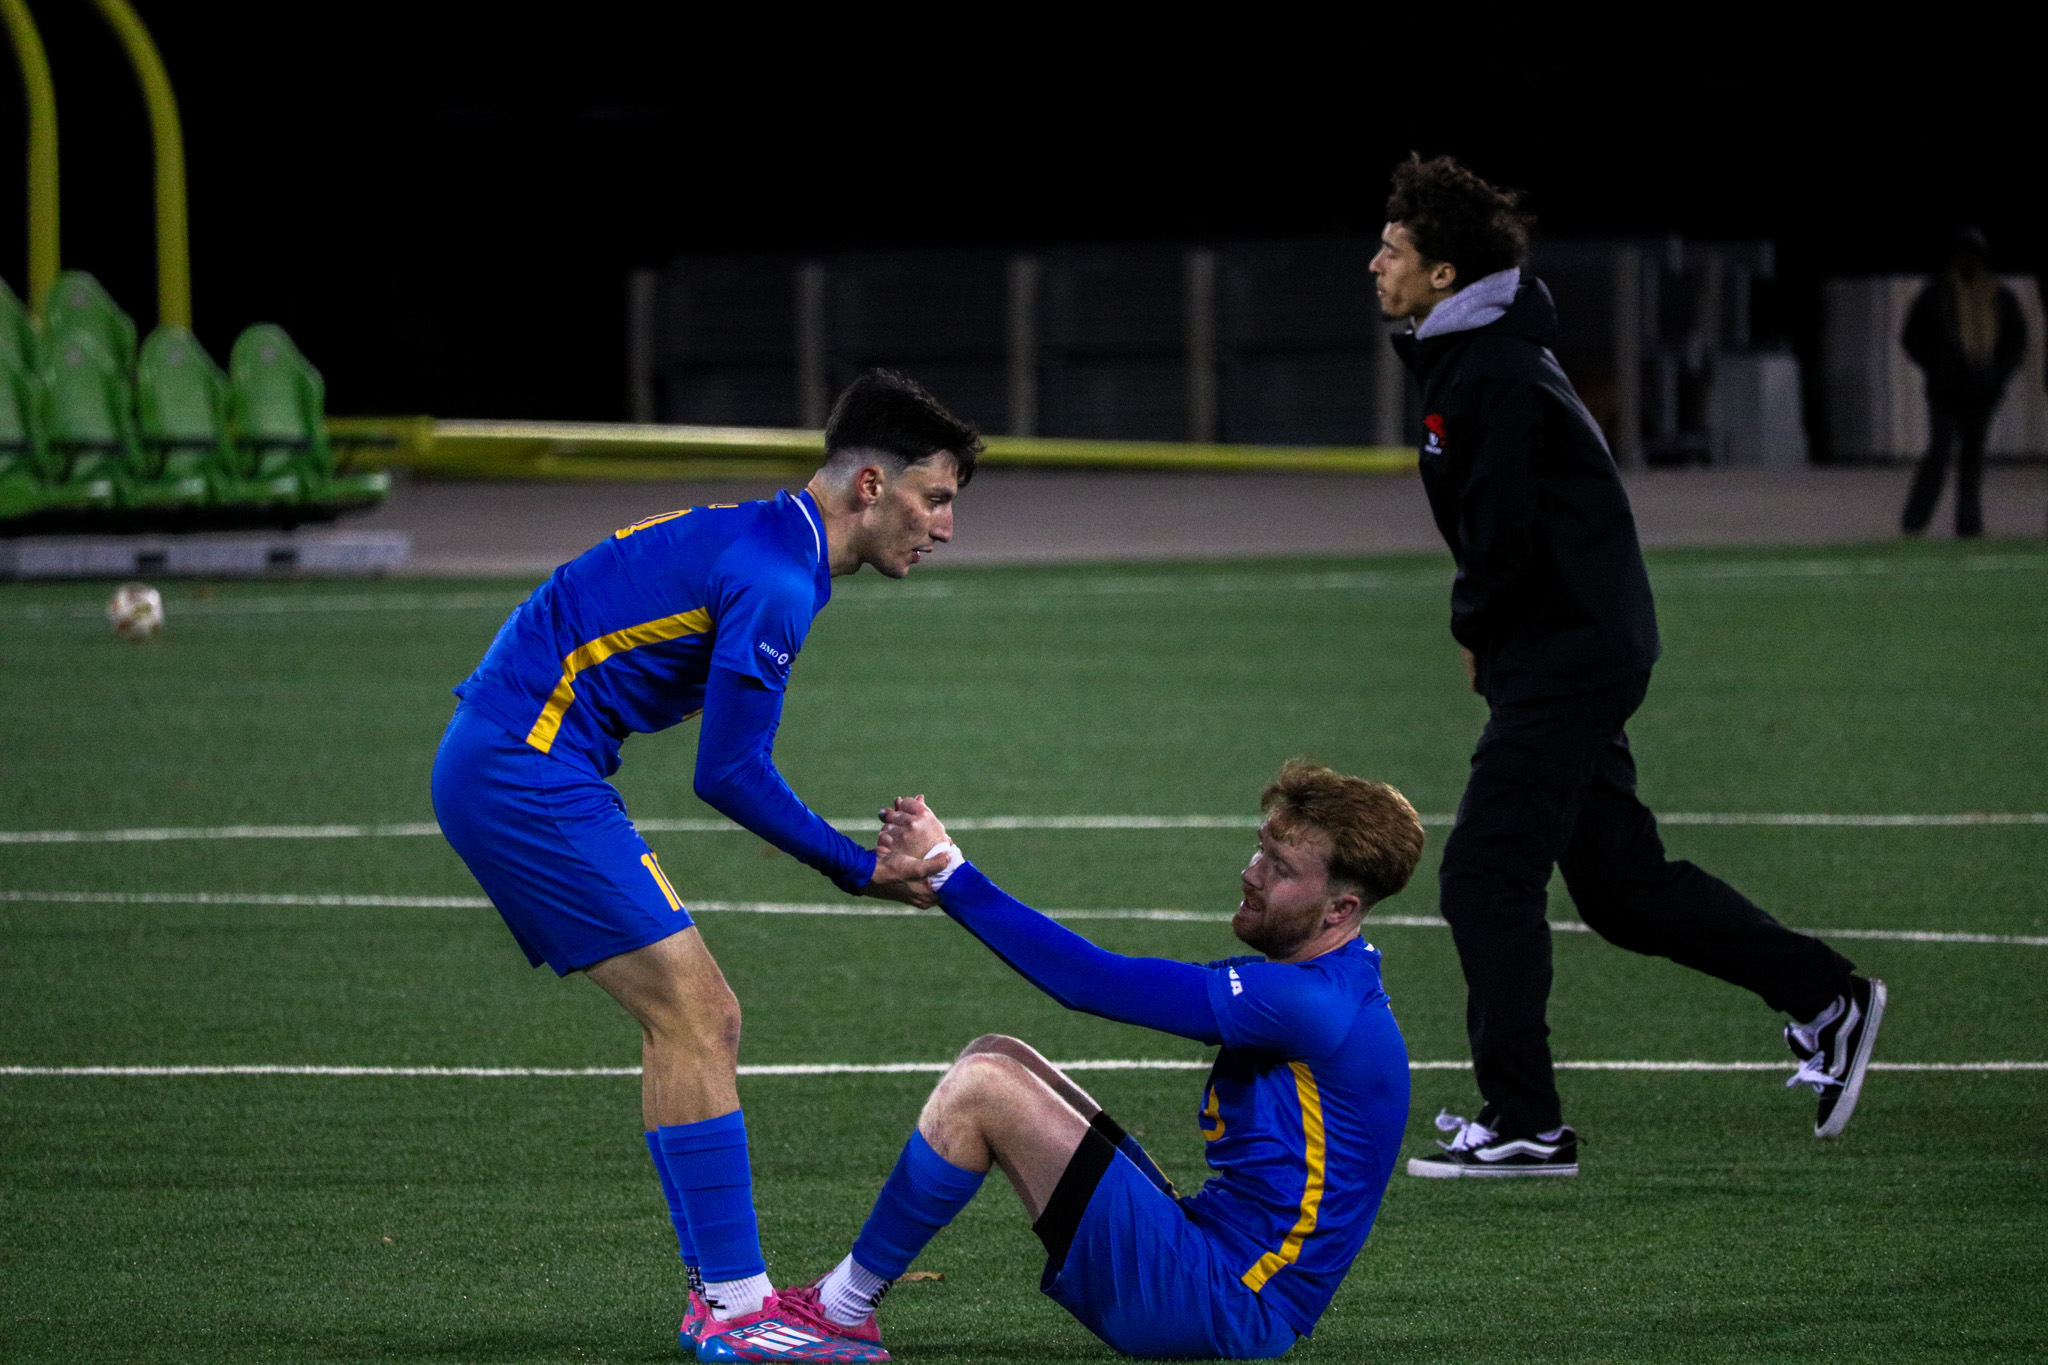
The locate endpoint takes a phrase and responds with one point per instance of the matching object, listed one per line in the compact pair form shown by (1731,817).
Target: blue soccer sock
(923,1194)
(677,1214)
(708,1163)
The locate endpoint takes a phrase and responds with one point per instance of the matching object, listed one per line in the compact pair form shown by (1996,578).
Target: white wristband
(955,859)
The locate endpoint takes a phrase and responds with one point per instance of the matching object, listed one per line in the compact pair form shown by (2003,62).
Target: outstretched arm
(1151,992)
(736,776)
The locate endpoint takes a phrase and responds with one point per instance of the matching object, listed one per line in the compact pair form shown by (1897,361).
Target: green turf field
(415,1218)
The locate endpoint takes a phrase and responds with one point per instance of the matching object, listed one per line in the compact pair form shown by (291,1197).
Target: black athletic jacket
(1551,594)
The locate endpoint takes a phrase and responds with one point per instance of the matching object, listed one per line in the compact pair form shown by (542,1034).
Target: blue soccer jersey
(1302,1111)
(622,638)
(1302,1116)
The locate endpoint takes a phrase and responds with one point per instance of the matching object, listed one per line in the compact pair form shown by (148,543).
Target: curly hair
(1375,835)
(1453,216)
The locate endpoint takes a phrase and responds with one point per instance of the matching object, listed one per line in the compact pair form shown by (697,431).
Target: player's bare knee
(985,1071)
(997,1043)
(717,1019)
(976,1100)
(703,1019)
(977,1083)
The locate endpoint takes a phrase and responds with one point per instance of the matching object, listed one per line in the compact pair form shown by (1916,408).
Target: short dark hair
(1453,216)
(886,413)
(1375,835)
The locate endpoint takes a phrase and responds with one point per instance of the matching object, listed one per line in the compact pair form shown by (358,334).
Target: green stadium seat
(181,409)
(77,303)
(279,401)
(88,411)
(24,457)
(17,333)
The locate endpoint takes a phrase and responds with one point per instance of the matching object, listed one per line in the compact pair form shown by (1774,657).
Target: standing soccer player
(1551,607)
(696,611)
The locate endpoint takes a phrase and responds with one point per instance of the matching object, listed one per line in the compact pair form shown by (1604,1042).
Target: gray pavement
(1027,516)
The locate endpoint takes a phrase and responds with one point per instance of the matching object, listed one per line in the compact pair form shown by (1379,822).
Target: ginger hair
(1375,836)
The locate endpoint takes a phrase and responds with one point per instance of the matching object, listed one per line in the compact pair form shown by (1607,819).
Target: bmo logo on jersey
(780,656)
(1433,434)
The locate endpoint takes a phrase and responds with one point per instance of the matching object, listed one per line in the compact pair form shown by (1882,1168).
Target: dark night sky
(441,201)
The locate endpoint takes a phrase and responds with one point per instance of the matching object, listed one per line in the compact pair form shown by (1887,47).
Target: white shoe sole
(1426,1169)
(1852,1084)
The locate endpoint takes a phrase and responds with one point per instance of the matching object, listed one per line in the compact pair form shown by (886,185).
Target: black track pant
(1963,426)
(1553,783)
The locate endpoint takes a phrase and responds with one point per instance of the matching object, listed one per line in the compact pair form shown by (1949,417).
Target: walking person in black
(1967,334)
(1551,609)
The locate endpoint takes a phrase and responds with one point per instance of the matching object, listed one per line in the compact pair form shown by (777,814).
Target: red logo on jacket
(1433,442)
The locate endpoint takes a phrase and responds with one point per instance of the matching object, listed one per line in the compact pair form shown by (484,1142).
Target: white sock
(729,1299)
(849,1294)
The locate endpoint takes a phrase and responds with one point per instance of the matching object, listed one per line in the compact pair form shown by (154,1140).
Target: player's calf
(992,1103)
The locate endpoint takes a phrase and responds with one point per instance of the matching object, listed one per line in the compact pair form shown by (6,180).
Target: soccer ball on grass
(136,611)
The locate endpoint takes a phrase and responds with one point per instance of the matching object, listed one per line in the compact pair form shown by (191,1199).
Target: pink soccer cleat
(692,1325)
(775,1333)
(801,1303)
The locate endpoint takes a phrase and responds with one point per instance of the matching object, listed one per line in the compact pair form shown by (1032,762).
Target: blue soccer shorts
(1123,1259)
(551,846)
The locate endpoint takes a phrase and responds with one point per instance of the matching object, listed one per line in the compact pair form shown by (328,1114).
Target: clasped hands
(902,871)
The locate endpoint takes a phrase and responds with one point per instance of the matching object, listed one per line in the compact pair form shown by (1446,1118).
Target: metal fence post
(1389,396)
(640,289)
(1201,305)
(1023,345)
(1627,436)
(813,398)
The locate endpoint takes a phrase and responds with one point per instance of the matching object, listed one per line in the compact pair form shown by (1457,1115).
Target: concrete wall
(1754,411)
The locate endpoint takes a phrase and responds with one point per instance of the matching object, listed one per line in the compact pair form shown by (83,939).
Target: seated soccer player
(1302,1112)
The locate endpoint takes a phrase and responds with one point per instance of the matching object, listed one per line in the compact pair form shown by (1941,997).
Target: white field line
(975,824)
(425,828)
(914,1068)
(293,604)
(1860,821)
(856,910)
(1420,578)
(152,836)
(242,898)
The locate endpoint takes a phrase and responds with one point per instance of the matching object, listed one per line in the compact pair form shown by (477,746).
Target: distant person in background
(1551,607)
(1967,333)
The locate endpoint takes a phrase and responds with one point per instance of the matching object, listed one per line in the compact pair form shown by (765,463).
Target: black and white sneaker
(1477,1150)
(1834,1052)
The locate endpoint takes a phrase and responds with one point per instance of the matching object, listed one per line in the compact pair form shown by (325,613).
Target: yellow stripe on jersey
(648,861)
(1273,1262)
(660,517)
(646,522)
(542,735)
(1212,1112)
